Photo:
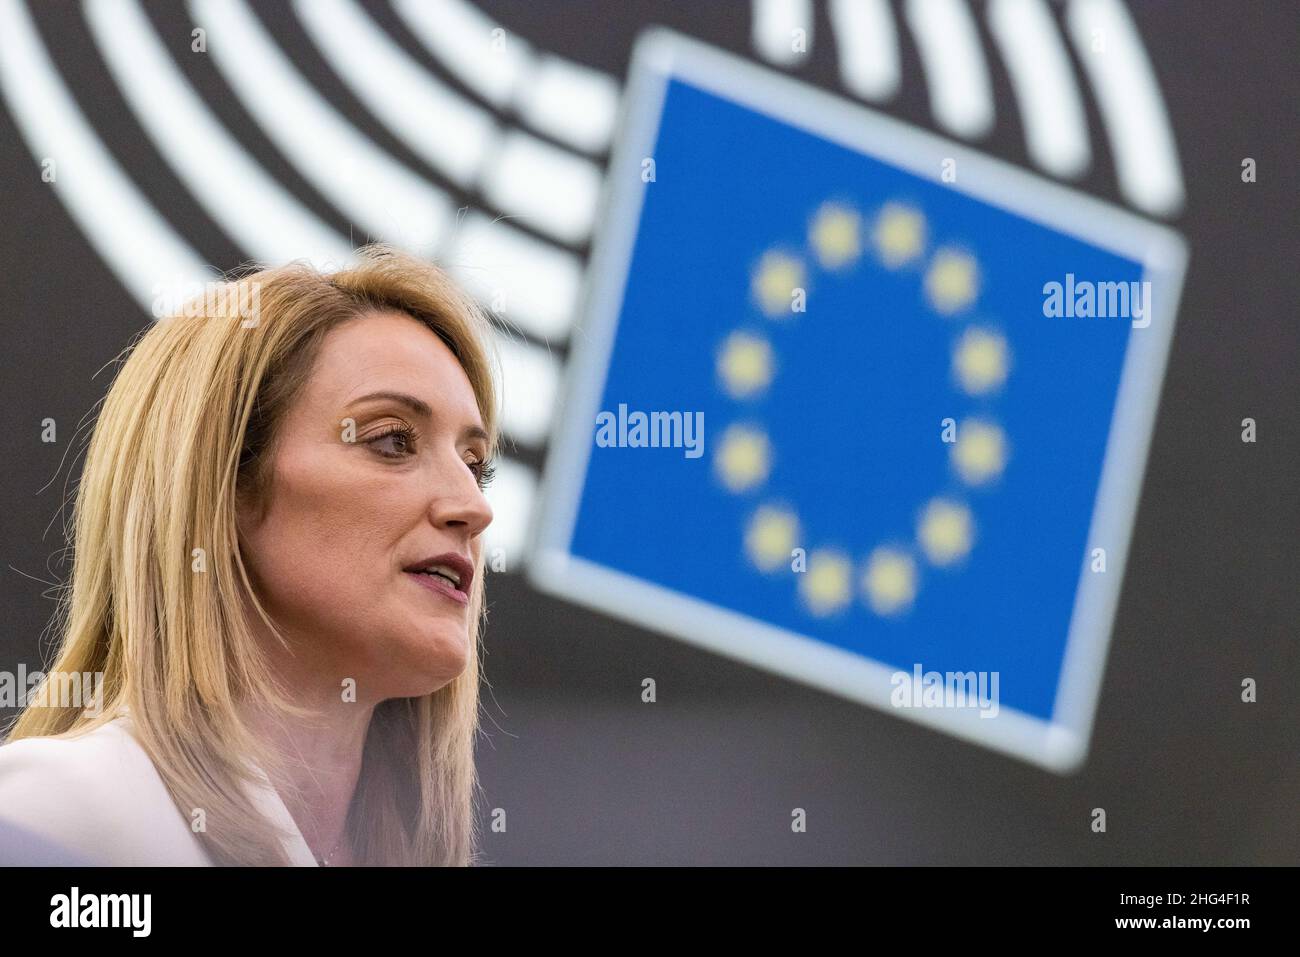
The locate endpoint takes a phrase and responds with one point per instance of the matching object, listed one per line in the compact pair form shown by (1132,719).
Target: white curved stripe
(448,131)
(1137,125)
(379,194)
(550,188)
(252,208)
(529,389)
(545,187)
(139,246)
(775,23)
(1056,131)
(465,40)
(571,102)
(955,72)
(511,495)
(527,282)
(568,101)
(868,47)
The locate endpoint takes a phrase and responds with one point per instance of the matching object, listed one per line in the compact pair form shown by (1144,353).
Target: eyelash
(483,471)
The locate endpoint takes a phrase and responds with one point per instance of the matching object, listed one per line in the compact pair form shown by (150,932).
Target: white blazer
(100,797)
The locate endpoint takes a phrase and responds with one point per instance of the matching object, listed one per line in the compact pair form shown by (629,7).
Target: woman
(278,572)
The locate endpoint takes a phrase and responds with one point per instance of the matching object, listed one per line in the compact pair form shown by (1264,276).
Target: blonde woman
(278,573)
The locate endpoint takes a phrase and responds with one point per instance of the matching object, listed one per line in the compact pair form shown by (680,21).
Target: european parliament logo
(920,463)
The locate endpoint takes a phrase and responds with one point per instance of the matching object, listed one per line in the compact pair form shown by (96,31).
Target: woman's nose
(458,502)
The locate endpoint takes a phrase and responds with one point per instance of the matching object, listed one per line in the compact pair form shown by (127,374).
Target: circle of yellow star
(771,536)
(980,361)
(945,531)
(777,277)
(745,365)
(826,586)
(899,234)
(980,453)
(744,458)
(836,236)
(952,281)
(889,581)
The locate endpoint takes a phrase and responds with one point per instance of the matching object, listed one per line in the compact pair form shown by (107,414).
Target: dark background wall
(709,774)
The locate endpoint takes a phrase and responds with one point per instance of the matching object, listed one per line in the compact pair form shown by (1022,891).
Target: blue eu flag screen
(848,402)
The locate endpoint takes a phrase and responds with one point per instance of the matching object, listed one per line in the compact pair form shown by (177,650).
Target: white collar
(268,801)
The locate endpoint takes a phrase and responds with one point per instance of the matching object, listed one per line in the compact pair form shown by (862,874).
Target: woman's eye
(395,444)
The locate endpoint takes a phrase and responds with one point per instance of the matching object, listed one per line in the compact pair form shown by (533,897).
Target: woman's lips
(439,586)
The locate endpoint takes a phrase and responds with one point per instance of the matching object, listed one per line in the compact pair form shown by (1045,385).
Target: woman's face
(354,511)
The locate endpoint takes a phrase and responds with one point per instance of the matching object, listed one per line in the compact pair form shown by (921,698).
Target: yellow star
(980,361)
(775,280)
(825,586)
(980,453)
(899,235)
(836,236)
(743,459)
(771,536)
(952,282)
(744,365)
(889,581)
(945,531)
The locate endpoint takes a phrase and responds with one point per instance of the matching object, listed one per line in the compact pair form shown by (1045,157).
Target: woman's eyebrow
(418,406)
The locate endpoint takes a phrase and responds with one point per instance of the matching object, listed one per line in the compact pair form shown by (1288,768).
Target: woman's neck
(322,763)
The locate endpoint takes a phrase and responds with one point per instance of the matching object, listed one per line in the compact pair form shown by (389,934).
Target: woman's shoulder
(96,792)
(91,763)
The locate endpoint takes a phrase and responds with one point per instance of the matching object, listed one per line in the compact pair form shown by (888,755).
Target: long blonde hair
(188,425)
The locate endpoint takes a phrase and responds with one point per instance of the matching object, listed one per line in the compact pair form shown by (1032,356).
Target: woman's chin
(429,660)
